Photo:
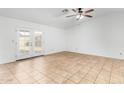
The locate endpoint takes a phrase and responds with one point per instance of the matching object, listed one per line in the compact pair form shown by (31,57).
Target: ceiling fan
(79,13)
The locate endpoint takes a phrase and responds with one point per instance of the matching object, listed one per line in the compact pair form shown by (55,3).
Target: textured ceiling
(50,16)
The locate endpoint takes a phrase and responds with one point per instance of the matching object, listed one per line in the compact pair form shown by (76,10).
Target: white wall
(53,38)
(102,36)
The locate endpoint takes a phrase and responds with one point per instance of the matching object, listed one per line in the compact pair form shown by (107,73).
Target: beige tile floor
(63,68)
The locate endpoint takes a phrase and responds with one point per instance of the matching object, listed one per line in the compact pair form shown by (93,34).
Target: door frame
(32,53)
(18,54)
(42,51)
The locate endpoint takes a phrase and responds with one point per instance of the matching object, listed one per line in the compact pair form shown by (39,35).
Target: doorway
(29,43)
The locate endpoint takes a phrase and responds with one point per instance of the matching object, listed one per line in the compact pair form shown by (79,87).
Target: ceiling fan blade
(73,10)
(90,10)
(88,16)
(70,15)
(65,10)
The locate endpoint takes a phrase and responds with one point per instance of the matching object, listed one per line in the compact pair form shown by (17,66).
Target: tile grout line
(31,76)
(99,73)
(111,73)
(19,80)
(69,73)
(13,75)
(86,74)
(74,74)
(46,76)
(39,79)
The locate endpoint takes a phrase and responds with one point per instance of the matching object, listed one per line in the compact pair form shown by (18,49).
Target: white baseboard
(100,55)
(4,61)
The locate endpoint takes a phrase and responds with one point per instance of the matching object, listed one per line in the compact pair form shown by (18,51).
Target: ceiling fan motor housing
(80,10)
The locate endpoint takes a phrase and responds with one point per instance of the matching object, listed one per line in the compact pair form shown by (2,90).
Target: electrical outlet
(121,54)
(15,56)
(13,41)
(76,49)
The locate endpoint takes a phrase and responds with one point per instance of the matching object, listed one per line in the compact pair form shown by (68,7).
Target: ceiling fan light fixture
(81,17)
(78,17)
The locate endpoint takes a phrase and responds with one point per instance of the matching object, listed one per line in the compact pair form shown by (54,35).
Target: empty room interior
(61,46)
